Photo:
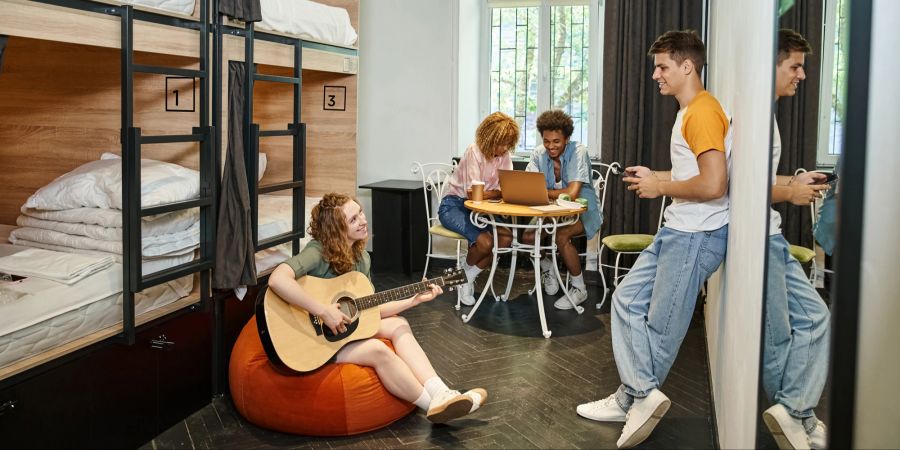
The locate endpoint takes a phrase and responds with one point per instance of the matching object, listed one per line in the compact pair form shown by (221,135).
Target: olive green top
(311,262)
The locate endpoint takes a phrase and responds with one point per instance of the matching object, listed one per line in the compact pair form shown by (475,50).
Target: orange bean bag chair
(334,400)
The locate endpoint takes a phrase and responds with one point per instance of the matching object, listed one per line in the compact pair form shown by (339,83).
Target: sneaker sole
(566,305)
(600,419)
(777,432)
(642,433)
(454,409)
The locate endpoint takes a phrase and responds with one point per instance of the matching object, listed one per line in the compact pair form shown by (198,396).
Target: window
(543,55)
(834,82)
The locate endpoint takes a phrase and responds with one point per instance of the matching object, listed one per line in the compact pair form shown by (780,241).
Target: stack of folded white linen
(81,212)
(66,268)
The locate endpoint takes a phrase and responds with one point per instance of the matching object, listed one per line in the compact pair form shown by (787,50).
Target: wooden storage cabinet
(114,395)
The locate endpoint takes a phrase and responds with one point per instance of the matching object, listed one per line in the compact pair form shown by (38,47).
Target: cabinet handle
(8,407)
(162,343)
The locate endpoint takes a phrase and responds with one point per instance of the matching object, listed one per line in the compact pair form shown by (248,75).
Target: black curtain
(235,254)
(637,120)
(798,117)
(3,40)
(245,10)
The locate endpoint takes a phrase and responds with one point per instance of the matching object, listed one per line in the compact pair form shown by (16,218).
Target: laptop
(523,188)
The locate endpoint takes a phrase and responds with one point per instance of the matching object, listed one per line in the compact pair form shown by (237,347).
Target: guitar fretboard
(371,301)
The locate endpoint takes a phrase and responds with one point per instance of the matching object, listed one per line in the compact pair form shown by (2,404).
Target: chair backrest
(435,177)
(600,178)
(813,208)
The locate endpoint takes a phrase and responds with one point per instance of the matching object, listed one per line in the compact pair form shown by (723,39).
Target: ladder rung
(176,206)
(277,240)
(172,273)
(169,138)
(276,79)
(269,133)
(189,73)
(275,187)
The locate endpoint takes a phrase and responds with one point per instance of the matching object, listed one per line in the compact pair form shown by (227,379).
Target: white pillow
(263,162)
(98,184)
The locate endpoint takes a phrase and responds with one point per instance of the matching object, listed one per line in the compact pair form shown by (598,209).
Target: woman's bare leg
(397,329)
(393,372)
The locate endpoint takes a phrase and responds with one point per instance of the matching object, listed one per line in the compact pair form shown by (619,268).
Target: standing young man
(653,305)
(795,362)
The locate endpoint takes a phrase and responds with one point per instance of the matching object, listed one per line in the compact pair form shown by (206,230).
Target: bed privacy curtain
(245,10)
(3,39)
(235,262)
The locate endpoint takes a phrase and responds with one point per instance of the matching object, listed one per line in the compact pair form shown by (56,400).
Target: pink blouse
(475,167)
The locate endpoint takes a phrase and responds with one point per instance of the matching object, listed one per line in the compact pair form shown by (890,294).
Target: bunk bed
(67,347)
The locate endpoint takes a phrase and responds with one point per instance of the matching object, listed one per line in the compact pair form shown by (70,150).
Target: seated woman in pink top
(495,137)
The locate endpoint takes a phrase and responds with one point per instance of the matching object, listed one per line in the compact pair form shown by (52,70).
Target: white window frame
(824,159)
(595,56)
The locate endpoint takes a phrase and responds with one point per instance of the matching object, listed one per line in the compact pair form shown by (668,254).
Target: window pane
(514,42)
(568,65)
(839,83)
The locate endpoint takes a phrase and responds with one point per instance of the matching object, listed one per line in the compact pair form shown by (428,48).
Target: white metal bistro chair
(435,177)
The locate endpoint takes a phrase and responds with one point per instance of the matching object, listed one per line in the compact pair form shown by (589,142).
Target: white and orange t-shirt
(699,127)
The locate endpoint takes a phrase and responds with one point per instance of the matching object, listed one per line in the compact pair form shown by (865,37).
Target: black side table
(399,225)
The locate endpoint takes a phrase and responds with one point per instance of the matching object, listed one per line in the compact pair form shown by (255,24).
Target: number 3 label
(335,98)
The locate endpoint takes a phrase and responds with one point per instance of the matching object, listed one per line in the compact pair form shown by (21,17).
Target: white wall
(740,76)
(877,398)
(469,34)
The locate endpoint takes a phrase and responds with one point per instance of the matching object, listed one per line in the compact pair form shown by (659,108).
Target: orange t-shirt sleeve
(704,128)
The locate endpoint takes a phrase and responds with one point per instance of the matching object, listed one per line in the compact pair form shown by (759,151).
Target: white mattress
(275,219)
(185,7)
(37,315)
(309,20)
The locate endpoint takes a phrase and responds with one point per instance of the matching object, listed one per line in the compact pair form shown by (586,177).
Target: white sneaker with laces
(448,405)
(788,431)
(478,396)
(642,418)
(548,279)
(466,294)
(818,437)
(603,410)
(579,295)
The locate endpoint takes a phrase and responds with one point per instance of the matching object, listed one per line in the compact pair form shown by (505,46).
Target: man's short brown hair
(555,120)
(791,41)
(681,45)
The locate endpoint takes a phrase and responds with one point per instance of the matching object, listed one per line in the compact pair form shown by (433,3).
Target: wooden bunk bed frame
(131,388)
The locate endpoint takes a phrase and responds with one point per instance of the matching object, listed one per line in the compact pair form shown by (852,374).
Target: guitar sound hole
(348,307)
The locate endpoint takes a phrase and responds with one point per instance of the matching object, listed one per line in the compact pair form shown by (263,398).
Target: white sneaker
(818,437)
(466,294)
(478,396)
(578,295)
(603,410)
(787,431)
(448,405)
(548,279)
(642,418)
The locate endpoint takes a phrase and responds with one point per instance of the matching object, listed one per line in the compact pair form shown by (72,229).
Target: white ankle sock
(471,272)
(546,264)
(476,401)
(424,400)
(577,281)
(434,385)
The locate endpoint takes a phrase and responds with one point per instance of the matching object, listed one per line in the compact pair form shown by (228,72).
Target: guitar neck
(380,298)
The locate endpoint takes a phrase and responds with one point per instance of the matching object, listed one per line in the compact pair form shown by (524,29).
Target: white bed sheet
(309,20)
(37,315)
(275,219)
(185,7)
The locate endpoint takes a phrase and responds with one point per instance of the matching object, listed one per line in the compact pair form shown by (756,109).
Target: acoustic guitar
(296,340)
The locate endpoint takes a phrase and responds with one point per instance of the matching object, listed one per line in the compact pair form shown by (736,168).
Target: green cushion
(802,254)
(441,231)
(627,242)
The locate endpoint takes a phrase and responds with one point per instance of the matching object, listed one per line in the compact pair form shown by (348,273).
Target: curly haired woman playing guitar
(339,230)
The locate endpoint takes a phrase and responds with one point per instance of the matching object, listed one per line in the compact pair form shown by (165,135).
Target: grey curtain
(3,40)
(637,120)
(245,10)
(797,117)
(235,263)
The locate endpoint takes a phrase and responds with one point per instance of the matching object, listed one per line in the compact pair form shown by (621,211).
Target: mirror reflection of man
(795,360)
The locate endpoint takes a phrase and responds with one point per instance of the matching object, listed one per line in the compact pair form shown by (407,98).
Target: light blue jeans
(653,305)
(795,363)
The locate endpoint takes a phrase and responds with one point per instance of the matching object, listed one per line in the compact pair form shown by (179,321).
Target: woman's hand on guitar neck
(334,319)
(429,295)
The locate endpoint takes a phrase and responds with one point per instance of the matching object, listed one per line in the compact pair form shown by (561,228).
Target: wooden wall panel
(60,107)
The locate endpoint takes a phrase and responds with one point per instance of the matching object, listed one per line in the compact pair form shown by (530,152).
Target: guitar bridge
(316,323)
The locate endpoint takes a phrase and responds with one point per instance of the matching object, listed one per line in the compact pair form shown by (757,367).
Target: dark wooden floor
(534,384)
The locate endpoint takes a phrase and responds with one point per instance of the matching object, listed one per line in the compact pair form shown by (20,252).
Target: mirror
(807,134)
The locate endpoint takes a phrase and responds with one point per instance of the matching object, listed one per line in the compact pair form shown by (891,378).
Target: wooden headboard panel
(60,108)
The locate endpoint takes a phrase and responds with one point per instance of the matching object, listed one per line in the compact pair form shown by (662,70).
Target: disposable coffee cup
(477,191)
